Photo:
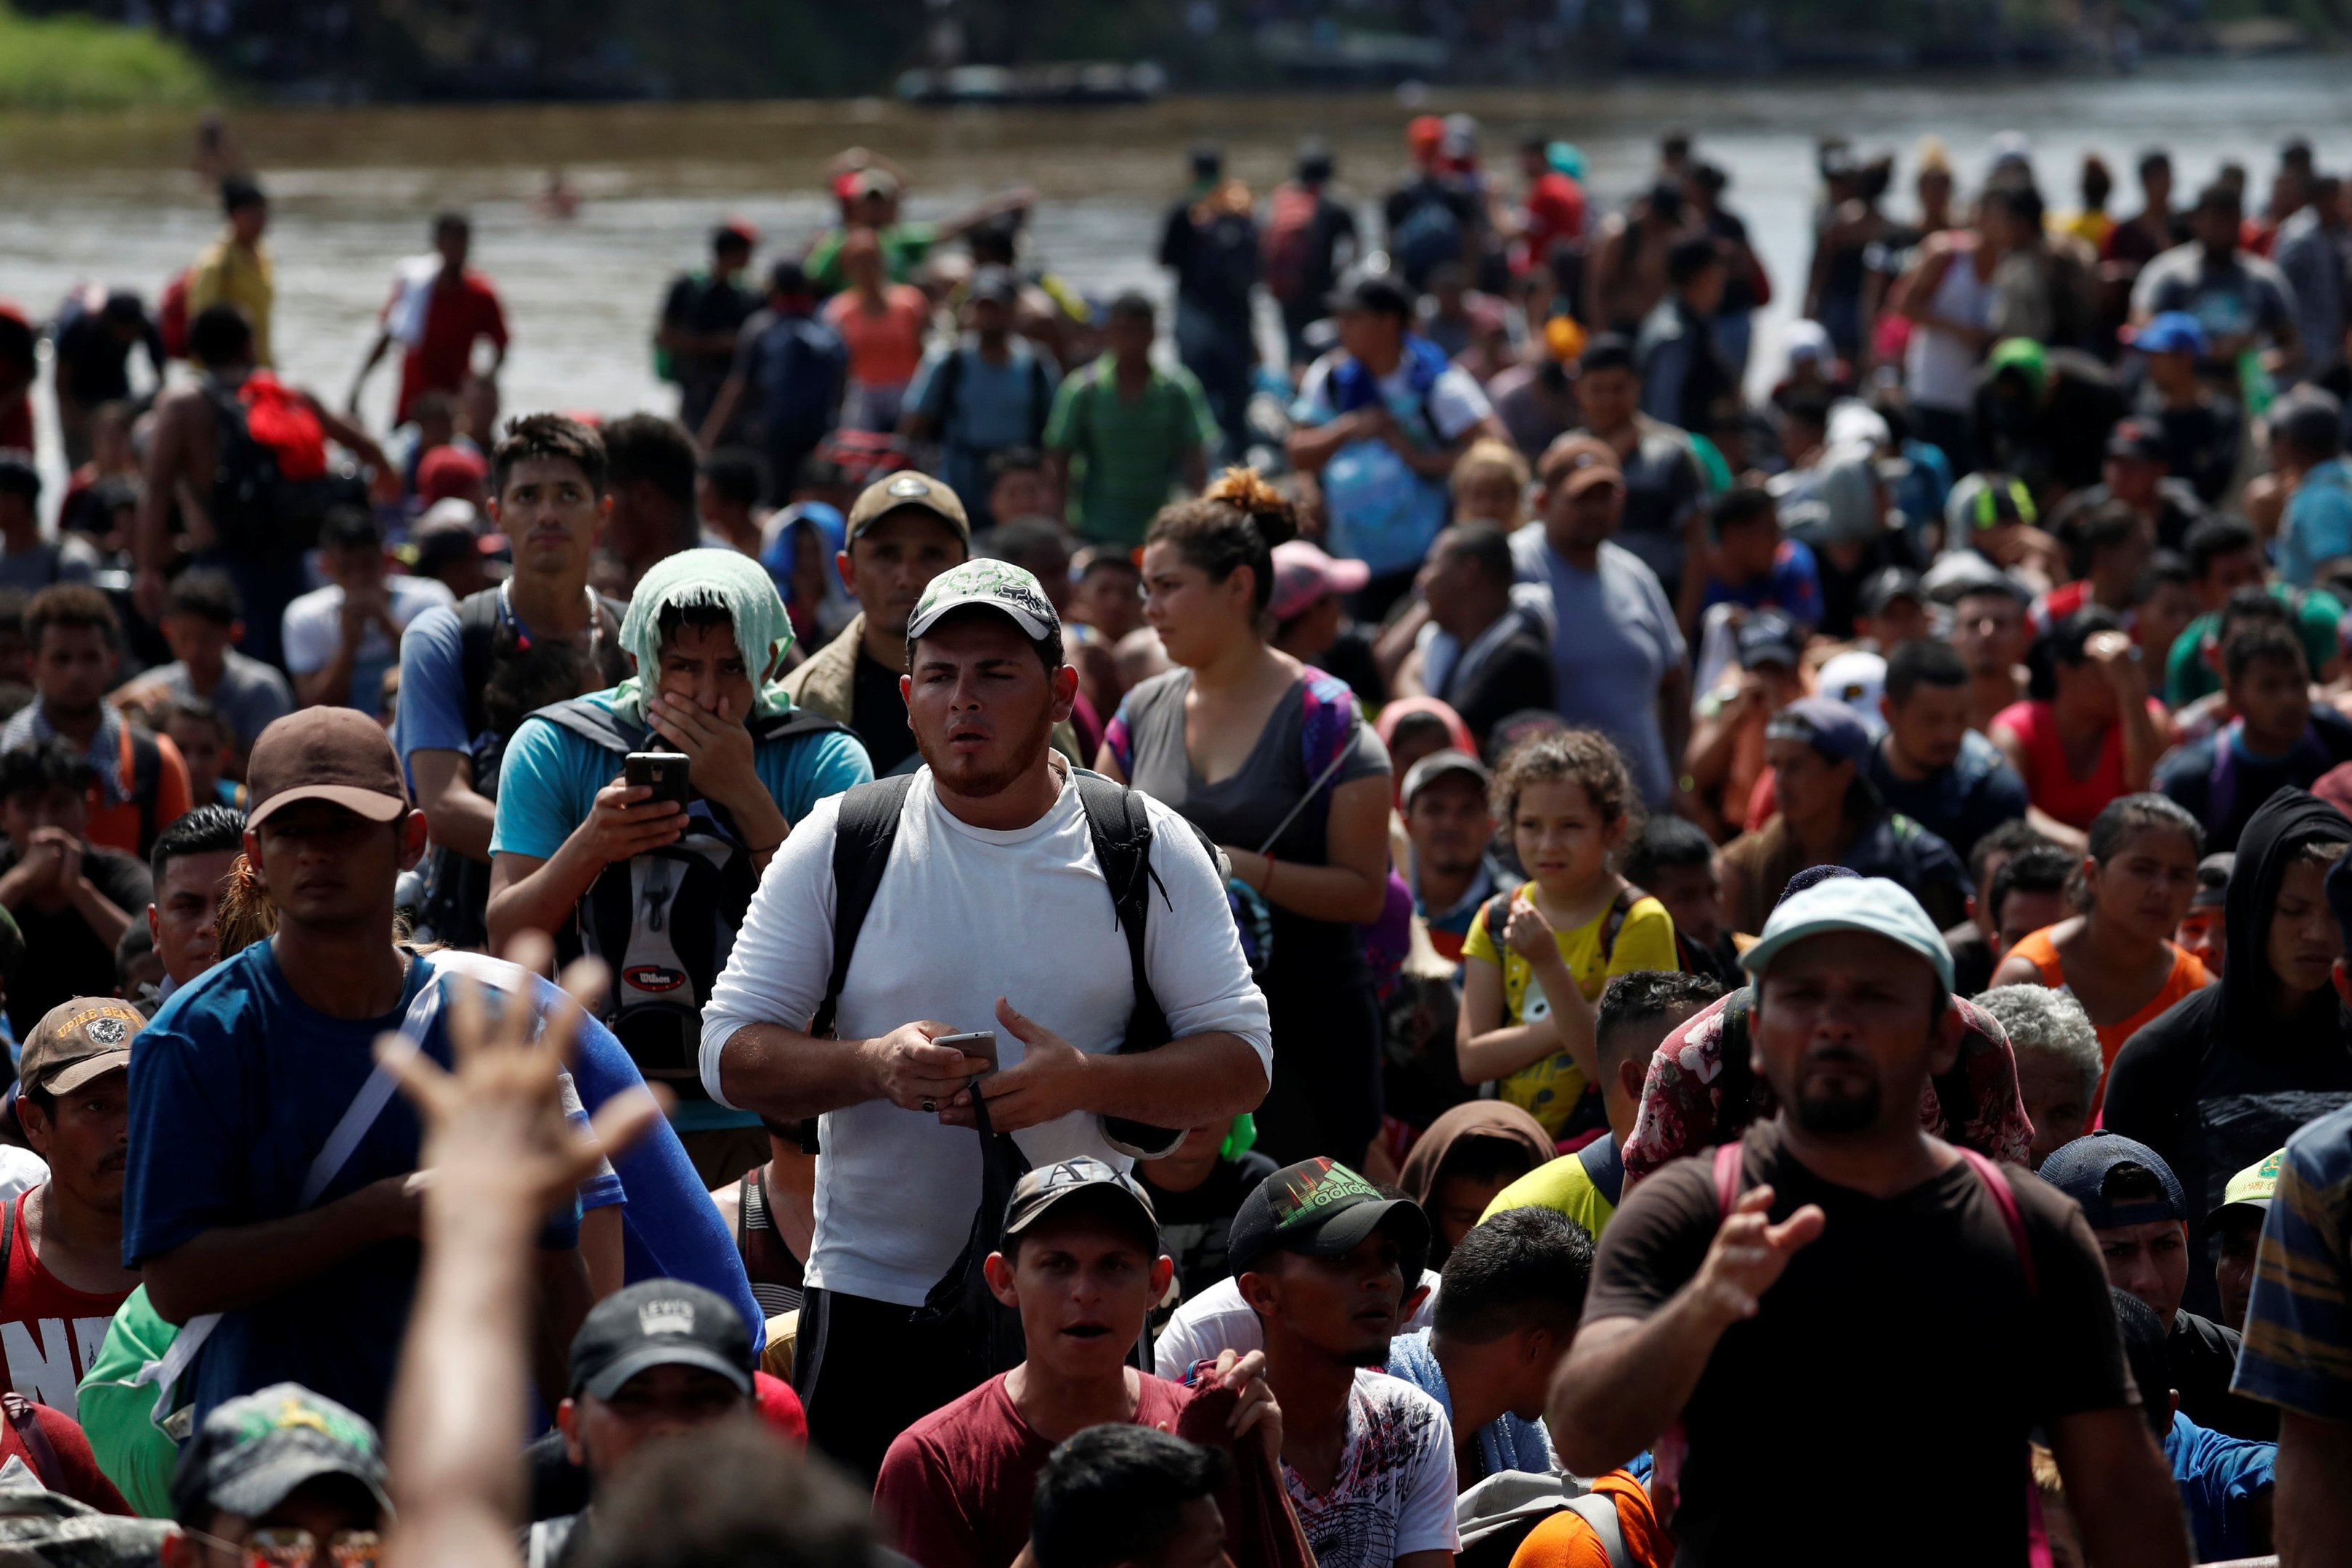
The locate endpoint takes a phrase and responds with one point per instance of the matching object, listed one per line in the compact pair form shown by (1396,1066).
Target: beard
(976,778)
(1830,1114)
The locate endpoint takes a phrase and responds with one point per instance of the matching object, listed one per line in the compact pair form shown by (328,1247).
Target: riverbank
(77,62)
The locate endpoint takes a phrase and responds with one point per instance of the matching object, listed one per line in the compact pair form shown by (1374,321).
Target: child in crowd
(1527,1007)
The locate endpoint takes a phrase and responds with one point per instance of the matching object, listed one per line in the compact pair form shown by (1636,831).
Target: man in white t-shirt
(990,912)
(1322,1257)
(1381,420)
(341,639)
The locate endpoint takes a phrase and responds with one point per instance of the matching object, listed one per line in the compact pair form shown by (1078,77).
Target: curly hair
(1564,756)
(1235,523)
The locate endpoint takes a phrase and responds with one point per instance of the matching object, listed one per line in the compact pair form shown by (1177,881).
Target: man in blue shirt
(2225,1482)
(980,396)
(270,1170)
(2306,428)
(1929,765)
(707,632)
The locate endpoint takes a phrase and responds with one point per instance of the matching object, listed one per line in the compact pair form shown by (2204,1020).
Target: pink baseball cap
(1303,574)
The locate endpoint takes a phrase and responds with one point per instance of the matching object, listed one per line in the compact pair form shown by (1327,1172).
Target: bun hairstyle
(1237,522)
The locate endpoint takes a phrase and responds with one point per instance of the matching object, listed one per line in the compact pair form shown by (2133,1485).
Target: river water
(110,198)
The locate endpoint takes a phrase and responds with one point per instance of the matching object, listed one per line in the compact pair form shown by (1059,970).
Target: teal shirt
(2187,676)
(1127,453)
(548,783)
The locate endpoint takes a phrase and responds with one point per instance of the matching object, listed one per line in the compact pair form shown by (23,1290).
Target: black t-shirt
(878,714)
(1902,1346)
(1972,961)
(1195,1225)
(97,362)
(2203,1355)
(1517,676)
(63,956)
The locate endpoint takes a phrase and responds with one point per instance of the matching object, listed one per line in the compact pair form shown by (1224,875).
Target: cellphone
(662,771)
(981,1042)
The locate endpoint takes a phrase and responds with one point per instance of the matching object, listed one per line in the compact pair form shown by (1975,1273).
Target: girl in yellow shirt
(1527,1014)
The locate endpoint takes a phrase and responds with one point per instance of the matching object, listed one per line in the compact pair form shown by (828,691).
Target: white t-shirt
(1218,1320)
(965,915)
(1394,1492)
(313,630)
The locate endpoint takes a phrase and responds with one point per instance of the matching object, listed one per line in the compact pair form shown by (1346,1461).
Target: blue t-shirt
(2219,1477)
(235,1089)
(2318,527)
(1614,643)
(1793,587)
(995,407)
(548,783)
(431,716)
(1958,804)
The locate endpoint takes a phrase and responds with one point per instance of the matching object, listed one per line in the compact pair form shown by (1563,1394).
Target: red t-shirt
(454,319)
(48,1330)
(1555,212)
(956,1486)
(2050,783)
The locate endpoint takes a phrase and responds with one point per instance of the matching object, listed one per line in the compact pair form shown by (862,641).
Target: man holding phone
(707,632)
(992,911)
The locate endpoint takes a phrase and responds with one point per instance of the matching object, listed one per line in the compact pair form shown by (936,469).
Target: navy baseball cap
(2080,1170)
(1826,724)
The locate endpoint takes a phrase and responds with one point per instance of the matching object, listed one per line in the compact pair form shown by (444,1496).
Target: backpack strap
(1497,911)
(1120,829)
(38,1449)
(594,723)
(1601,1513)
(1619,908)
(477,635)
(8,1232)
(866,827)
(146,777)
(2004,1197)
(1041,399)
(1730,1173)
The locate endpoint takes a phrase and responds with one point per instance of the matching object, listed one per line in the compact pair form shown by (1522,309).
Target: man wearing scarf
(656,889)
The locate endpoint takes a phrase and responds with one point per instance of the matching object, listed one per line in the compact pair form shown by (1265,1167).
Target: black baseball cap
(1322,1208)
(659,1322)
(253,1451)
(2137,442)
(1888,584)
(2079,1170)
(1085,1183)
(1768,637)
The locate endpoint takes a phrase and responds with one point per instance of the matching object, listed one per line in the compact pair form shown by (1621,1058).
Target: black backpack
(665,920)
(457,887)
(256,510)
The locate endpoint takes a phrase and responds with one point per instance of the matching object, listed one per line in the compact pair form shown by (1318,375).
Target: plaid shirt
(2298,1348)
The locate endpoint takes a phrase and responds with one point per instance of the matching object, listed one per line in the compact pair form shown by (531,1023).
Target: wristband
(1266,884)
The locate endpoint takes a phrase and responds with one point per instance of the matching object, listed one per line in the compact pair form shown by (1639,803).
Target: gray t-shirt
(1614,640)
(1245,809)
(69,557)
(250,694)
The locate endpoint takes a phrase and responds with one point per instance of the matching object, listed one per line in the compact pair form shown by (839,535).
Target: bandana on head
(735,583)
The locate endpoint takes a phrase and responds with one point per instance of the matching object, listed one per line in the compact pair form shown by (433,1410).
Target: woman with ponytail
(1272,759)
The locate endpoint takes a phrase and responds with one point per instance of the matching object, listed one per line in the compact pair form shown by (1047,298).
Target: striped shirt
(2298,1347)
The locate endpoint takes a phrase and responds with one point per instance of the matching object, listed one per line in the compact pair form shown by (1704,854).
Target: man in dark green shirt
(1129,430)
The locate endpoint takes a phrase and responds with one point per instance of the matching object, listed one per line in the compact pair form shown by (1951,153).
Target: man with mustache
(1842,1272)
(61,1273)
(989,910)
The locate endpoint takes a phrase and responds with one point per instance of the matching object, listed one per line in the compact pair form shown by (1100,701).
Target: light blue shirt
(2318,524)
(548,783)
(1614,640)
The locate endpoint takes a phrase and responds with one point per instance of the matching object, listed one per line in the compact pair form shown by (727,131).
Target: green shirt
(904,246)
(119,1415)
(2187,676)
(1127,453)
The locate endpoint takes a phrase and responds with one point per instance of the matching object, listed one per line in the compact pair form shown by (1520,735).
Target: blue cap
(1869,905)
(1826,724)
(2169,332)
(2081,1169)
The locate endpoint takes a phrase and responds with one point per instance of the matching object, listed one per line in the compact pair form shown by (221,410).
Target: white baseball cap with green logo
(993,584)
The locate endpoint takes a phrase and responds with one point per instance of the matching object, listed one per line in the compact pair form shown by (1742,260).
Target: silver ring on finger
(930,1107)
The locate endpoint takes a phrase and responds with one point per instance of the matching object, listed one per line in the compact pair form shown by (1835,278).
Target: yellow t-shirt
(228,274)
(1584,1185)
(1550,1089)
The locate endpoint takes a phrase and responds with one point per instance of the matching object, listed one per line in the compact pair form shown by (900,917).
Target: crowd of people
(1441,938)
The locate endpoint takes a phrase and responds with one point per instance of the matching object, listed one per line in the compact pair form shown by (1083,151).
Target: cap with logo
(1322,1208)
(1767,637)
(253,1451)
(338,755)
(1871,906)
(1578,462)
(2252,1188)
(899,491)
(997,585)
(2081,1169)
(1857,679)
(77,1040)
(1083,1183)
(1446,764)
(659,1322)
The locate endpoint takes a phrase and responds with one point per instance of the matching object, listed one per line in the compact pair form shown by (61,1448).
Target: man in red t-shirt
(437,314)
(1082,1265)
(1555,209)
(61,1273)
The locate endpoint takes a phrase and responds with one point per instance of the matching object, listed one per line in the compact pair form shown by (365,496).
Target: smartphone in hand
(665,772)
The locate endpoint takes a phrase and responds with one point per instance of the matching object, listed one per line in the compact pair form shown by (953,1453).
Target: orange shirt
(1564,1541)
(2188,975)
(885,345)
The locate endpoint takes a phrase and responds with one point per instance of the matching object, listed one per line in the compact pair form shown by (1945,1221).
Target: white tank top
(1939,369)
